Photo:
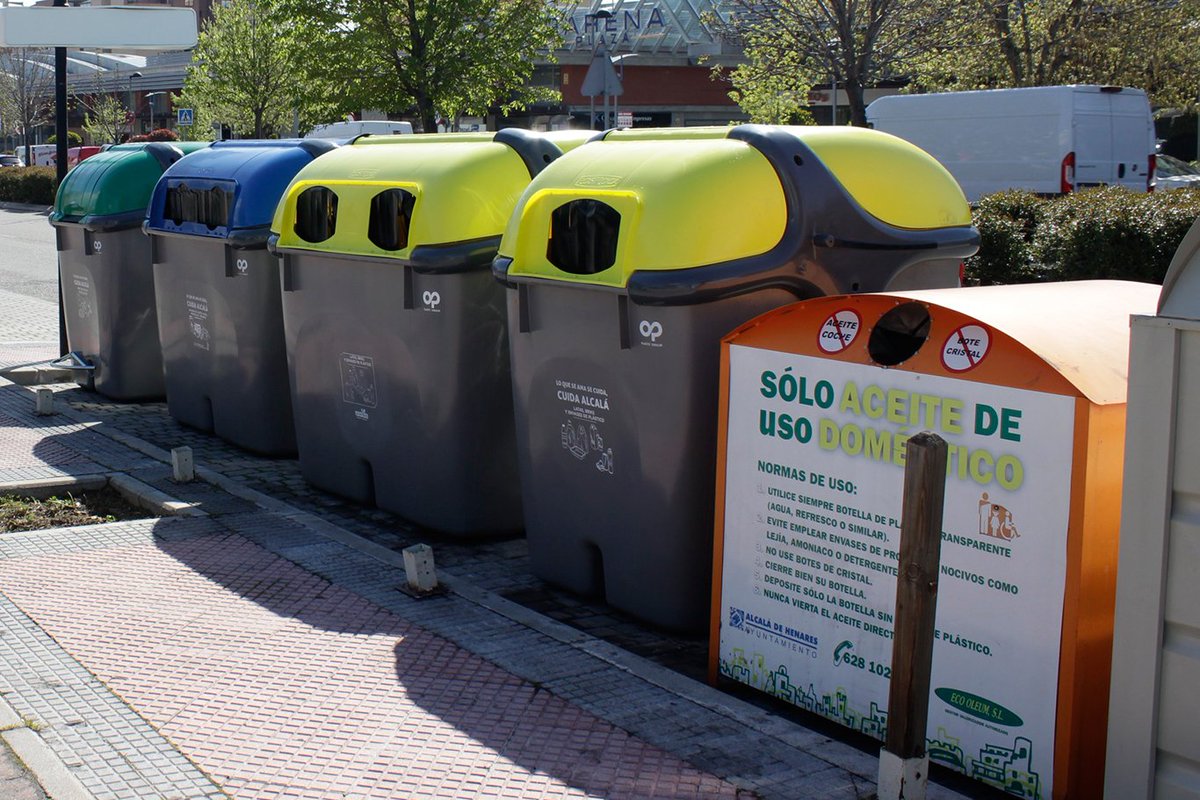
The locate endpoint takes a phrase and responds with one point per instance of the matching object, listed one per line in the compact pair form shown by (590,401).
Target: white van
(43,155)
(348,130)
(1047,139)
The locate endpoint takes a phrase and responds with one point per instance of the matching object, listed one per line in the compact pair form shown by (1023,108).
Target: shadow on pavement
(427,703)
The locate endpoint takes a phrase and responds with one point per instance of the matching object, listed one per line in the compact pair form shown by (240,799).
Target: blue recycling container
(220,318)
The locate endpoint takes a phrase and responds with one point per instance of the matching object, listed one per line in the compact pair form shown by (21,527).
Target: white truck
(1047,139)
(348,130)
(43,155)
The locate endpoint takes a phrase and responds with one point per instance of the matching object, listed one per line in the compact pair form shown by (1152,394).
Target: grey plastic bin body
(108,307)
(399,403)
(221,328)
(615,385)
(619,445)
(399,360)
(104,266)
(217,291)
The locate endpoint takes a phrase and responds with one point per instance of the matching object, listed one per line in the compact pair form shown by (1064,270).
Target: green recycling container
(105,268)
(626,262)
(395,330)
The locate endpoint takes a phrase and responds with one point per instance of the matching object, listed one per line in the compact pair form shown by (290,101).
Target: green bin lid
(112,188)
(460,188)
(693,197)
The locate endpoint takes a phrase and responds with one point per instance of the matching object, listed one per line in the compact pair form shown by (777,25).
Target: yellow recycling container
(626,261)
(395,328)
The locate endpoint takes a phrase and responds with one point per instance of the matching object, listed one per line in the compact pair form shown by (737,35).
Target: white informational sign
(814,478)
(132,27)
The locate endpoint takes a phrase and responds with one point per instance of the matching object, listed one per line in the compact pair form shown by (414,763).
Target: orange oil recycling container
(1027,385)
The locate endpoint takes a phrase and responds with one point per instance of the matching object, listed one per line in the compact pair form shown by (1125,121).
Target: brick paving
(250,654)
(14,353)
(499,566)
(27,320)
(279,684)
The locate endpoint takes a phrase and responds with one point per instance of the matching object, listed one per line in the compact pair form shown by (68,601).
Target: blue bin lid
(229,190)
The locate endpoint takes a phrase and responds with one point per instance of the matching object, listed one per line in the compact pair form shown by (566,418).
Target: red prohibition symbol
(839,331)
(965,348)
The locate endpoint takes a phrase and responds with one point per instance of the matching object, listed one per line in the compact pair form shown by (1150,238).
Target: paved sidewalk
(256,651)
(257,647)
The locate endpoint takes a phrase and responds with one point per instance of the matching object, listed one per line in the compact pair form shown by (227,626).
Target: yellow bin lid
(453,188)
(691,197)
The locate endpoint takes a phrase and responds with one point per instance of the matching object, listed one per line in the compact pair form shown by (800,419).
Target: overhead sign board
(126,27)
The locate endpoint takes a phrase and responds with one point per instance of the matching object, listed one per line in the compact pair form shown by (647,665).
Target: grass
(19,513)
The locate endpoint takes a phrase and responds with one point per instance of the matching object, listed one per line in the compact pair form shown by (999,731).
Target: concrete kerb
(136,492)
(834,753)
(38,375)
(50,771)
(31,207)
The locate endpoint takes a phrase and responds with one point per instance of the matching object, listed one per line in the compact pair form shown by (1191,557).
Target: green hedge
(34,185)
(1097,233)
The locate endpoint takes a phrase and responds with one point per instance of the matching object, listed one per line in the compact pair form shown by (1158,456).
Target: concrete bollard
(181,465)
(43,403)
(419,569)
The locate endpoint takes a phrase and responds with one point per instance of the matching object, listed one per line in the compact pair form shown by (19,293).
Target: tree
(794,44)
(771,92)
(992,44)
(73,139)
(105,118)
(29,92)
(246,69)
(447,57)
(105,115)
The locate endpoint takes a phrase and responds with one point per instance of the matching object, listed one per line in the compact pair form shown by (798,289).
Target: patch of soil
(19,513)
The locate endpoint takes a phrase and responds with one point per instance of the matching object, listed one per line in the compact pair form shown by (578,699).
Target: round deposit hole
(899,334)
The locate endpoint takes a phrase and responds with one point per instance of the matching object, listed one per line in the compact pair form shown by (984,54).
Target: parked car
(7,160)
(1173,173)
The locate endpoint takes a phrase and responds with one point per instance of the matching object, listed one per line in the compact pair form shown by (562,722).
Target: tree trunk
(427,113)
(258,123)
(858,107)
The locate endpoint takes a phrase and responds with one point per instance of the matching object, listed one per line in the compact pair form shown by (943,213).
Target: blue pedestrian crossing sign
(185,116)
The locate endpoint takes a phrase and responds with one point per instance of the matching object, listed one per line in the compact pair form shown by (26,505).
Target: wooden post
(903,763)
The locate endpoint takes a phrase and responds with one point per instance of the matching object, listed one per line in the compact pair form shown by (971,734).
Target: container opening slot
(583,237)
(209,207)
(899,334)
(391,214)
(316,214)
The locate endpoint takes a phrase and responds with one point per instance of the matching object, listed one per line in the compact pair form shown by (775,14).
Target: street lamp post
(151,103)
(132,105)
